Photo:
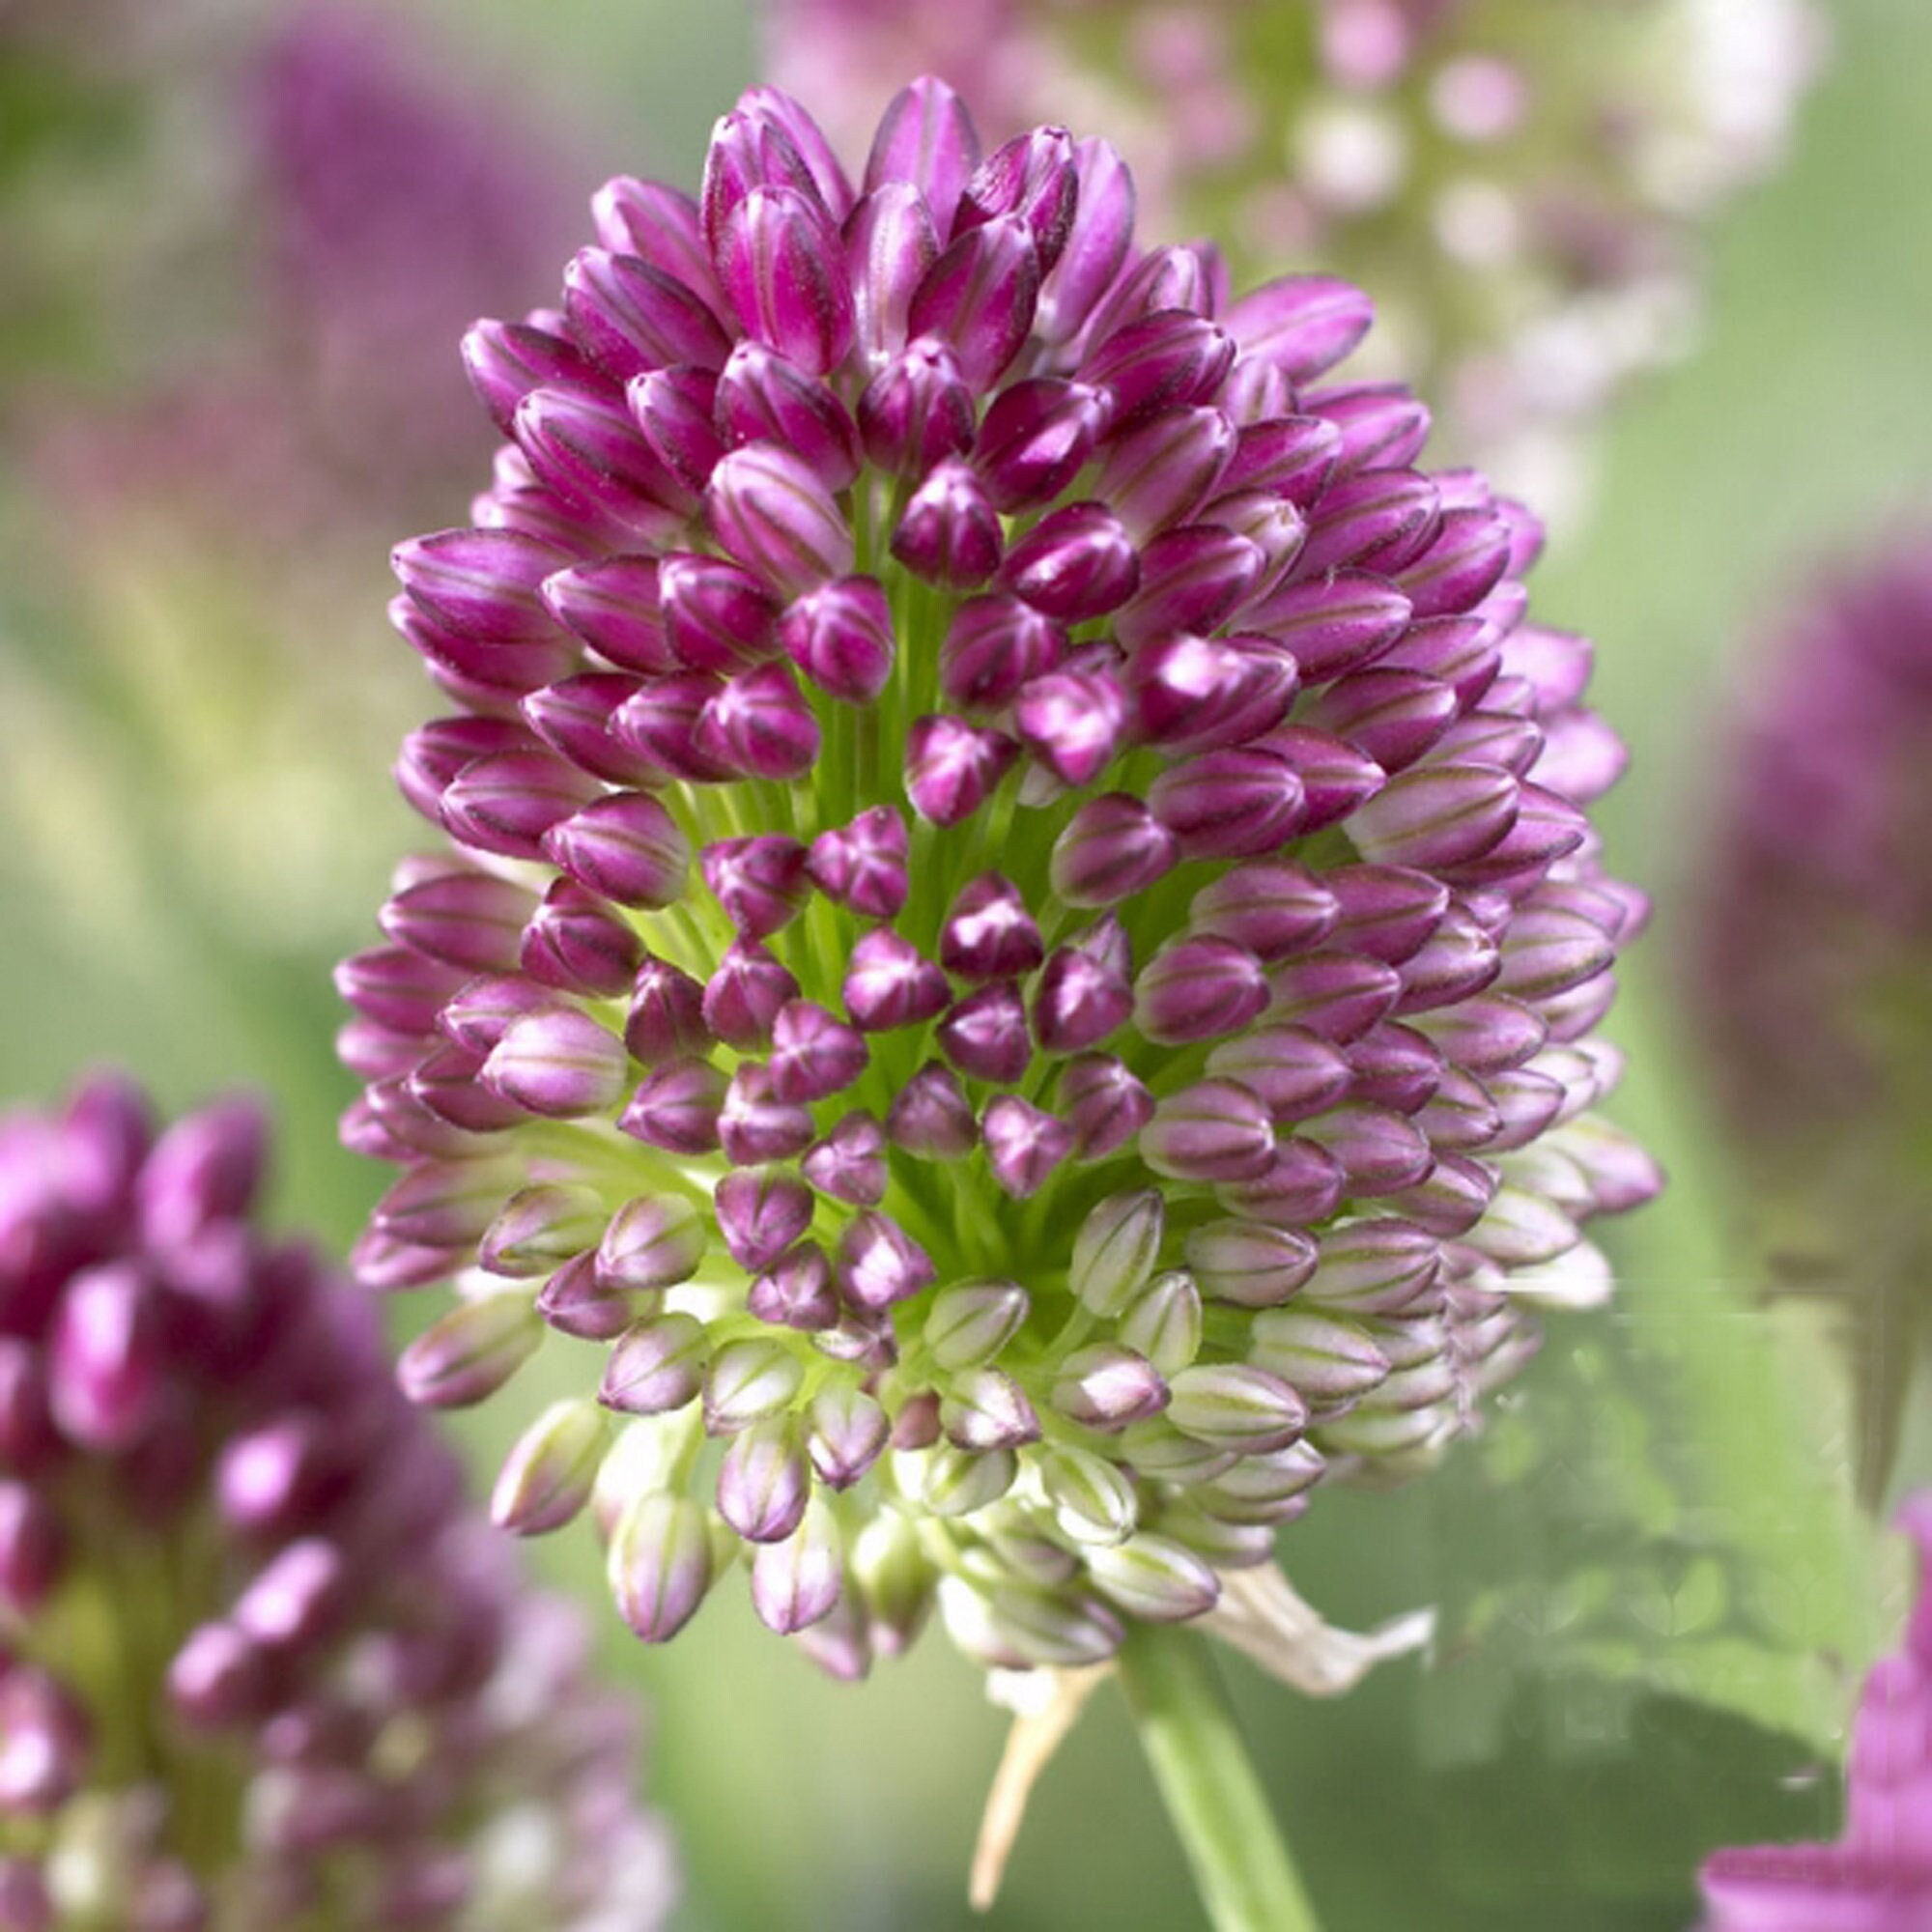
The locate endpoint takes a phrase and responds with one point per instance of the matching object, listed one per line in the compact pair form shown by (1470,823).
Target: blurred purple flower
(1878,1876)
(1023,938)
(1519,185)
(223,1699)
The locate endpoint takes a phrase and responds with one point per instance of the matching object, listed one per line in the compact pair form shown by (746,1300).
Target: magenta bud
(984,1035)
(573,1302)
(32,1551)
(1377,521)
(1451,1200)
(1083,995)
(505,360)
(659,723)
(1302,1184)
(46,1743)
(625,846)
(1394,1066)
(1104,1103)
(572,718)
(1112,848)
(504,802)
(1236,804)
(984,1409)
(1393,716)
(1461,567)
(1380,1150)
(1096,243)
(930,1116)
(764,398)
(951,767)
(1023,1144)
(917,412)
(28,1442)
(950,533)
(468,1354)
(1033,177)
(1462,653)
(761,1213)
(666,1020)
(770,511)
(575,944)
(105,1370)
(889,245)
(1076,563)
(1248,1264)
(863,865)
(540,1228)
(1335,777)
(988,933)
(927,138)
(1303,324)
(813,1055)
(1486,1035)
(850,1163)
(1072,722)
(1161,470)
(1386,911)
(879,1263)
(1188,275)
(675,409)
(1036,438)
(755,1125)
(797,1292)
(1212,1131)
(993,647)
(744,994)
(760,882)
(660,1564)
(841,636)
(847,1433)
(1293,457)
(470,920)
(676,1107)
(828,179)
(764,1481)
(717,617)
(781,267)
(559,1062)
(1334,623)
(1199,988)
(1270,907)
(1330,1359)
(205,1168)
(397,987)
(1381,425)
(1374,1267)
(590,453)
(444,1204)
(979,297)
(613,605)
(481,584)
(1338,995)
(889,984)
(657,1366)
(478,1015)
(1166,360)
(1199,693)
(759,726)
(1107,1387)
(633,316)
(1191,580)
(548,1476)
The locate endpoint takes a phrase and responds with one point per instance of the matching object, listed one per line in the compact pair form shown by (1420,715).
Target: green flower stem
(1246,1879)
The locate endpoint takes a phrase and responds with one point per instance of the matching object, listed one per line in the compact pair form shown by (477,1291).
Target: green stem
(1220,1813)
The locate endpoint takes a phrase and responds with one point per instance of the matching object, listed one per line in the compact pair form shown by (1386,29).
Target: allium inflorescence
(1877,1877)
(1022,939)
(1516,182)
(259,1663)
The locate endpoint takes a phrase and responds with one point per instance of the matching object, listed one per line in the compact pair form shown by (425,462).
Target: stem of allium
(1219,1812)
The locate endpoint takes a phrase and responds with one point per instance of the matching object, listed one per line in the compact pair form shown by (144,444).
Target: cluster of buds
(1516,182)
(1021,942)
(1878,1876)
(224,1704)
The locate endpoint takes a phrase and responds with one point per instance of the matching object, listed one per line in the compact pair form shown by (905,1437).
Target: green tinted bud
(540,1229)
(956,1481)
(1093,1499)
(1115,1251)
(973,1320)
(1153,1577)
(1163,1322)
(548,1476)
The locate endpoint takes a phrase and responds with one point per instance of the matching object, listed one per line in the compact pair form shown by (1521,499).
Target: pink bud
(760,882)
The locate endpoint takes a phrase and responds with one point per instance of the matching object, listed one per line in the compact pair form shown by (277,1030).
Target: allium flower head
(1813,954)
(1022,937)
(1514,182)
(1877,1877)
(259,1664)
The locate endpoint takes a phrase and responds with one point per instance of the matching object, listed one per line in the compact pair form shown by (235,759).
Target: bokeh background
(229,290)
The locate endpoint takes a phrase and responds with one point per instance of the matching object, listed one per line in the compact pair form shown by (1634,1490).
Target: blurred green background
(1655,1600)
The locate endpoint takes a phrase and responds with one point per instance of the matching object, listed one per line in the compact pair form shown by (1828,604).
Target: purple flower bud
(879,1263)
(863,864)
(889,247)
(744,996)
(761,1213)
(988,932)
(657,1366)
(848,1434)
(850,1163)
(779,267)
(575,944)
(466,919)
(1081,998)
(590,453)
(1023,1144)
(625,847)
(32,1551)
(1381,425)
(505,361)
(930,1116)
(540,1229)
(651,1243)
(917,412)
(1033,177)
(44,1742)
(546,1478)
(986,1410)
(633,317)
(1236,804)
(574,1302)
(979,296)
(1250,1265)
(1164,1322)
(764,1481)
(470,1353)
(1485,1036)
(104,1358)
(774,515)
(481,584)
(1075,564)
(1072,722)
(1395,1067)
(993,647)
(574,717)
(798,1581)
(950,534)
(1104,1103)
(1197,694)
(927,140)
(1338,995)
(755,1125)
(675,409)
(1113,847)
(1380,1150)
(746,1383)
(1301,1184)
(761,882)
(984,1035)
(1155,1579)
(764,398)
(559,1062)
(1107,1387)
(677,1107)
(813,1054)
(717,615)
(666,1020)
(1198,989)
(951,767)
(1035,439)
(1302,324)
(887,984)
(660,1564)
(613,605)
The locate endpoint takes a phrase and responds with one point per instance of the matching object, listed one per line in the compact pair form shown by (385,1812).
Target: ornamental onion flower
(1518,183)
(1808,970)
(1019,937)
(1877,1877)
(227,1699)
